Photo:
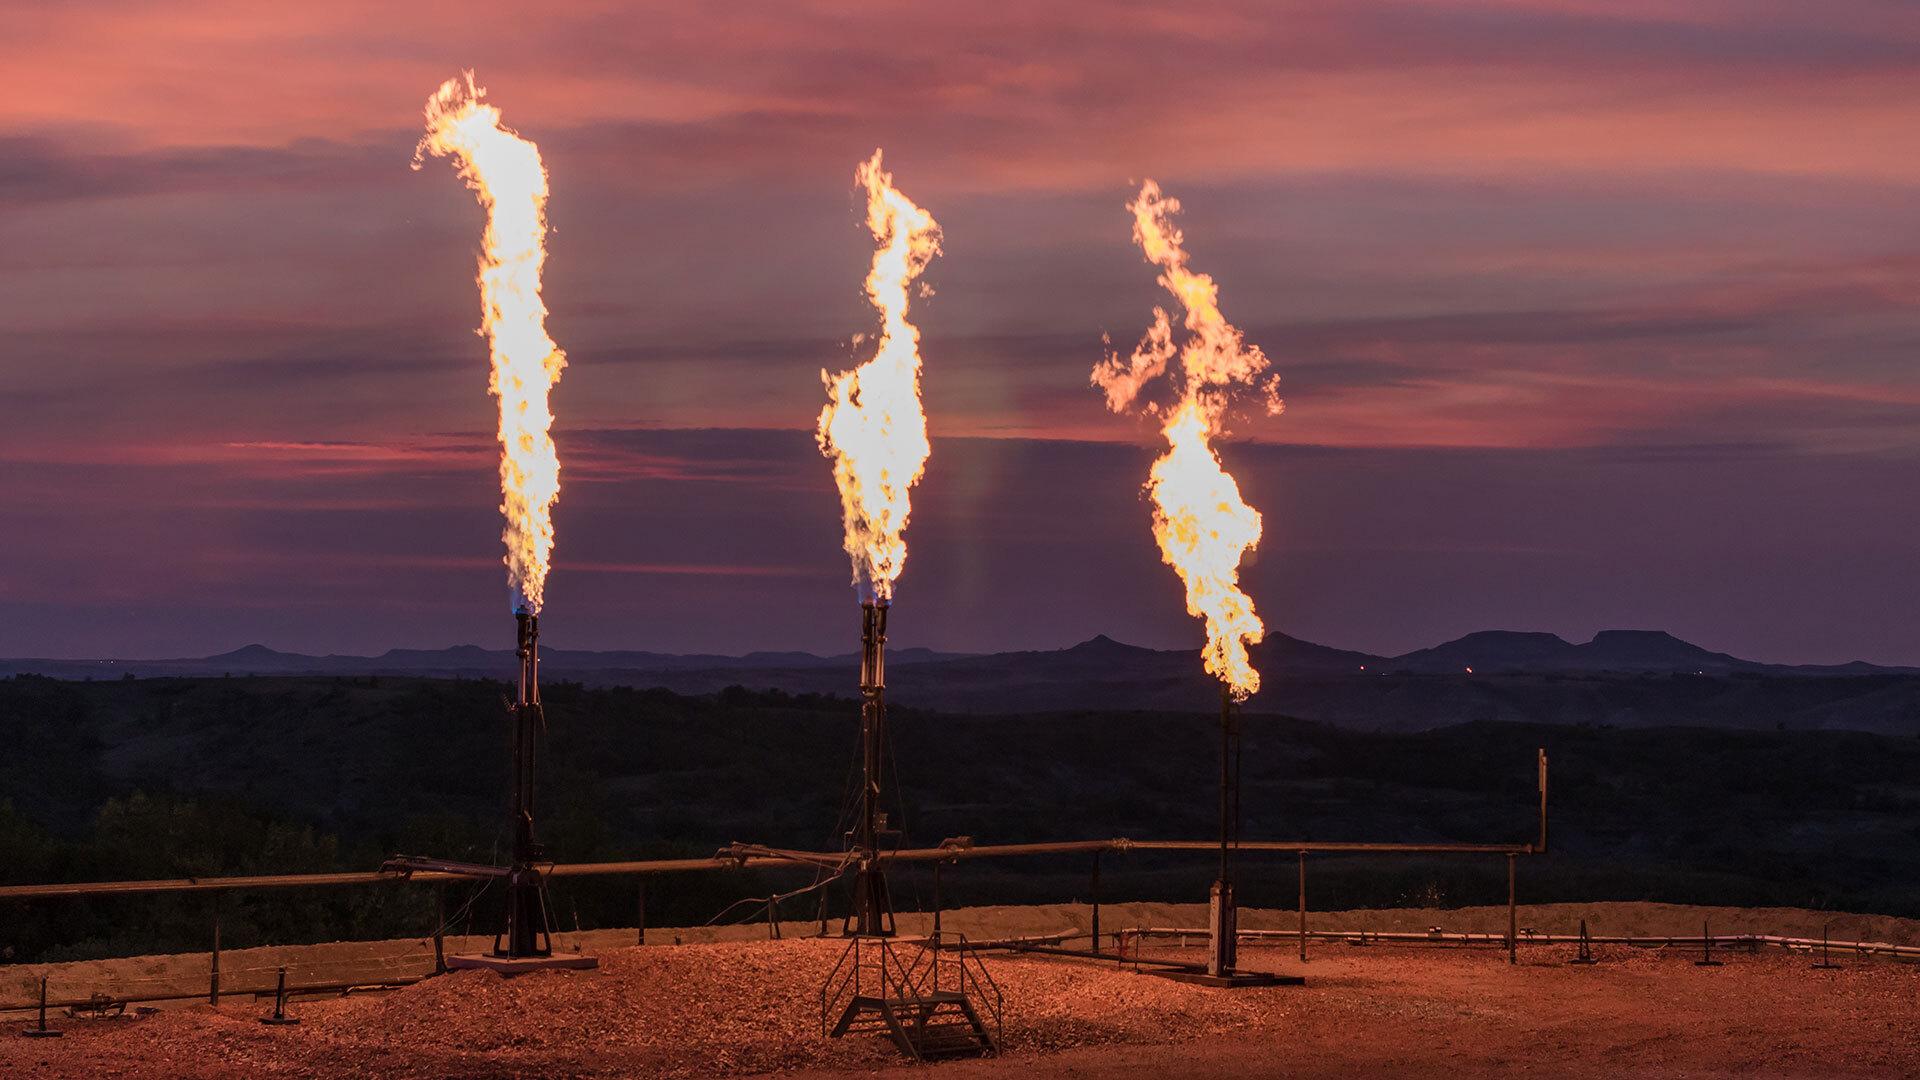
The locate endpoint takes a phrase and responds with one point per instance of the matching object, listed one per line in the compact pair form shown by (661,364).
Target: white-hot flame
(873,428)
(505,172)
(1203,526)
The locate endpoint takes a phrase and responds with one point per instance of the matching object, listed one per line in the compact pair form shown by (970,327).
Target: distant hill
(1496,652)
(1509,651)
(1490,675)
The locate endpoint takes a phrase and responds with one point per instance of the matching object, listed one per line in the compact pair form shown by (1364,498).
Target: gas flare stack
(872,911)
(528,931)
(1222,908)
(525,940)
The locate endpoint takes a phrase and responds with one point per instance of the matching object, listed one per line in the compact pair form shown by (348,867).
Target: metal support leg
(1513,915)
(440,929)
(280,1017)
(41,1030)
(1826,961)
(1096,901)
(936,905)
(1303,907)
(213,975)
(1585,955)
(1706,947)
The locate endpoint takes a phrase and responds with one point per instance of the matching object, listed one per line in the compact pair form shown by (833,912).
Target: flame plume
(873,427)
(505,173)
(1202,524)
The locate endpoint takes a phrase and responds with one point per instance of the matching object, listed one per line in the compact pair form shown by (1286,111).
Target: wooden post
(1303,907)
(213,977)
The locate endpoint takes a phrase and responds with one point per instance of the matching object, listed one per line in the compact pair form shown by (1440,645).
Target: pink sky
(1524,227)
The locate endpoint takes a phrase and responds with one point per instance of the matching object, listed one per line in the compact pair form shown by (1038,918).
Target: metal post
(42,1031)
(773,918)
(1513,915)
(1543,801)
(280,1017)
(1826,961)
(1303,907)
(440,929)
(1706,947)
(640,911)
(1585,955)
(213,977)
(1096,901)
(936,905)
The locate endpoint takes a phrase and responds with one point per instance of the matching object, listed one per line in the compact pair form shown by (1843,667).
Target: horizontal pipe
(740,855)
(1330,847)
(272,881)
(195,995)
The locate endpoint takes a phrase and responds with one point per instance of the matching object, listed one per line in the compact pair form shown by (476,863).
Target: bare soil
(752,1006)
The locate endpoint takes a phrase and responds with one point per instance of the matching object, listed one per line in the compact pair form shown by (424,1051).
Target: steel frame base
(520,965)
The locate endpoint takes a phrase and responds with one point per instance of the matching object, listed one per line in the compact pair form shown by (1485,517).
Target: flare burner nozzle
(529,652)
(873,644)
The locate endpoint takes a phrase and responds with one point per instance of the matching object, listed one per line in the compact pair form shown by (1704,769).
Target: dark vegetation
(255,775)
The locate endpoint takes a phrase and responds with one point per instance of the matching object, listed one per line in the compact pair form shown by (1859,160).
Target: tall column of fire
(874,431)
(1202,524)
(510,181)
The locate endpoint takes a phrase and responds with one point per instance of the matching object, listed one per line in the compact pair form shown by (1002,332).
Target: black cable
(777,897)
(472,899)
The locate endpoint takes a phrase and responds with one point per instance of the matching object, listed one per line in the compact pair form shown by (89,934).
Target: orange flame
(873,428)
(505,173)
(1202,524)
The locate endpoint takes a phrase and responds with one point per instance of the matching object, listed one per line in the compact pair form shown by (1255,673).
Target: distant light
(1469,671)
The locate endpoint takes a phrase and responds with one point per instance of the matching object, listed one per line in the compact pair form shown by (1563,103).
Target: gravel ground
(736,1008)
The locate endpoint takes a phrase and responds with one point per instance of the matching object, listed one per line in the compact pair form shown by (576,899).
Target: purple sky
(1588,315)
